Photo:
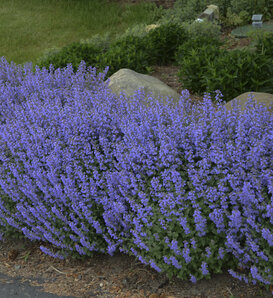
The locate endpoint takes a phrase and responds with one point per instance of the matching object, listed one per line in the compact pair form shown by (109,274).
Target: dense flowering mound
(190,194)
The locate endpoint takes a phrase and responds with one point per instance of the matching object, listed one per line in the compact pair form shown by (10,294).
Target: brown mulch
(120,276)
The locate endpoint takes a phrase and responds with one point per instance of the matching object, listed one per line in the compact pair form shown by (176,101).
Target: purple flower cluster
(187,190)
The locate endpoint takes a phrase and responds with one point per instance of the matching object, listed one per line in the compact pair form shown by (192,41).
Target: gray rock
(128,81)
(259,97)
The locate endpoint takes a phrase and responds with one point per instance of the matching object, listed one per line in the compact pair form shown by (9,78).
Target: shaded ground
(19,287)
(120,276)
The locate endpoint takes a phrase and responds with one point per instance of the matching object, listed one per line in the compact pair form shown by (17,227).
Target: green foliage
(129,52)
(232,12)
(48,55)
(233,19)
(264,43)
(138,30)
(205,29)
(186,10)
(252,7)
(196,51)
(155,13)
(236,6)
(189,10)
(136,49)
(197,44)
(102,42)
(206,69)
(139,49)
(228,73)
(268,9)
(9,231)
(193,56)
(73,53)
(164,41)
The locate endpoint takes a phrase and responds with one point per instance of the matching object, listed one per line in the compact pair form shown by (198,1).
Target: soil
(120,275)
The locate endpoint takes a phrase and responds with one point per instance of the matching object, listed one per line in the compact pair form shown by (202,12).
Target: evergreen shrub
(88,171)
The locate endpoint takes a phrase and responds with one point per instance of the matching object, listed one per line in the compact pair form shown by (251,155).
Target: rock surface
(128,81)
(259,97)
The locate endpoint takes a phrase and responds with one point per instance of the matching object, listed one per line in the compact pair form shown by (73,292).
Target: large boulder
(259,97)
(128,81)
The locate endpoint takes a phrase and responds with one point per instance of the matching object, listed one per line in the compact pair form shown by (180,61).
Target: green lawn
(28,28)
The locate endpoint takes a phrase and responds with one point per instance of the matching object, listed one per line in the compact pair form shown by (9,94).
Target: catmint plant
(188,182)
(185,189)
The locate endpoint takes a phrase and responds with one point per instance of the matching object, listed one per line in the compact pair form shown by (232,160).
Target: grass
(28,28)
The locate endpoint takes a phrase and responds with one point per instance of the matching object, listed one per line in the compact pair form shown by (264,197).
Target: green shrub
(129,52)
(268,10)
(186,10)
(233,20)
(48,55)
(138,30)
(205,29)
(99,41)
(74,54)
(228,73)
(206,69)
(155,13)
(199,43)
(164,42)
(264,43)
(193,56)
